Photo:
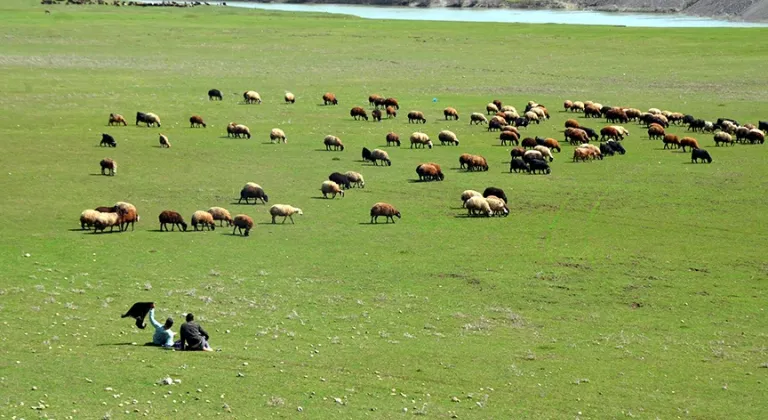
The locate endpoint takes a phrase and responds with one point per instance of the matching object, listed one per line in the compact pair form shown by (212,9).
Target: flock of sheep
(531,154)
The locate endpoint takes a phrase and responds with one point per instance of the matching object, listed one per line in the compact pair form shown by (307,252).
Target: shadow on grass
(119,344)
(235,203)
(376,224)
(99,175)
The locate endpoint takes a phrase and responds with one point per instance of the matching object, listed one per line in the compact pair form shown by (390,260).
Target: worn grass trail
(631,286)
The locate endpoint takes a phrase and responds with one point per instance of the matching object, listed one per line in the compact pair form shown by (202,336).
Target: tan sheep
(386,210)
(164,143)
(330,187)
(243,223)
(251,97)
(290,98)
(88,218)
(277,135)
(355,179)
(285,211)
(204,219)
(221,214)
(420,140)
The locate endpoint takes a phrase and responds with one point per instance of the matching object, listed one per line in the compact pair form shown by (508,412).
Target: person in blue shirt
(163,335)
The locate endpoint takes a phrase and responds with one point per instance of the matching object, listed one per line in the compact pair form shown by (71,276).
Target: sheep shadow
(235,203)
(100,175)
(116,344)
(322,198)
(376,224)
(79,230)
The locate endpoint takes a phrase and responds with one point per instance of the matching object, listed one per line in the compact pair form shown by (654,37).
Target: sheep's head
(184,226)
(398,215)
(429,144)
(299,212)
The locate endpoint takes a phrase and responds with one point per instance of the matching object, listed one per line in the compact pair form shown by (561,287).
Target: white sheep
(107,220)
(654,111)
(545,152)
(355,179)
(449,137)
(420,140)
(284,210)
(277,134)
(477,205)
(204,219)
(221,214)
(290,98)
(497,205)
(478,118)
(508,108)
(467,194)
(491,108)
(623,132)
(252,96)
(88,218)
(330,187)
(164,141)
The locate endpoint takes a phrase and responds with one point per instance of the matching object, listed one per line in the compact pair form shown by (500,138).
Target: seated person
(193,335)
(163,335)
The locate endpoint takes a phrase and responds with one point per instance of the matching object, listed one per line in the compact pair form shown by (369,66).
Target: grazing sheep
(496,123)
(571,123)
(656,132)
(552,144)
(671,140)
(88,218)
(497,205)
(477,206)
(277,135)
(416,117)
(517,152)
(578,106)
(333,142)
(284,210)
(386,210)
(391,112)
(290,98)
(540,112)
(576,136)
(420,140)
(723,137)
(358,113)
(215,93)
(622,131)
(532,116)
(355,179)
(240,129)
(497,192)
(756,136)
(741,133)
(196,121)
(330,187)
(539,165)
(702,154)
(689,142)
(106,209)
(392,102)
(508,108)
(749,126)
(497,103)
(531,155)
(376,114)
(449,137)
(654,111)
(606,149)
(580,154)
(675,117)
(253,190)
(107,140)
(464,160)
(633,113)
(517,164)
(477,118)
(491,109)
(242,223)
(616,115)
(762,125)
(116,119)
(509,136)
(173,218)
(429,172)
(148,118)
(709,127)
(374,100)
(544,150)
(451,113)
(128,215)
(567,105)
(204,220)
(376,155)
(330,99)
(164,143)
(252,97)
(611,133)
(221,214)
(529,143)
(108,165)
(106,220)
(340,179)
(393,138)
(467,194)
(477,162)
(592,111)
(616,147)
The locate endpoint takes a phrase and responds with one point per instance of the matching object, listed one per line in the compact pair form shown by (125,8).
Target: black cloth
(139,311)
(192,334)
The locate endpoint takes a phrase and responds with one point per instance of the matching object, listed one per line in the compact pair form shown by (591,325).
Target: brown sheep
(372,99)
(633,113)
(689,142)
(571,123)
(451,113)
(517,152)
(671,140)
(358,113)
(511,128)
(204,220)
(174,219)
(756,136)
(243,223)
(416,117)
(384,209)
(616,115)
(393,138)
(552,144)
(391,112)
(509,136)
(567,105)
(580,154)
(656,132)
(392,102)
(611,133)
(128,215)
(376,114)
(196,120)
(477,162)
(528,143)
(429,172)
(108,165)
(464,160)
(330,99)
(116,119)
(592,111)
(576,136)
(497,103)
(496,123)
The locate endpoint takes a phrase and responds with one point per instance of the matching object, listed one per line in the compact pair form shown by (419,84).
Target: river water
(506,15)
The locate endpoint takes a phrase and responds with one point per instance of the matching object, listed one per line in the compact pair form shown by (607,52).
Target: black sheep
(606,150)
(541,141)
(214,93)
(139,311)
(697,125)
(539,165)
(107,140)
(592,134)
(762,125)
(688,119)
(498,192)
(616,147)
(702,154)
(518,165)
(521,122)
(340,179)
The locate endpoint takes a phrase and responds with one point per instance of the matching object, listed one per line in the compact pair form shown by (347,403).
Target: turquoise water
(506,15)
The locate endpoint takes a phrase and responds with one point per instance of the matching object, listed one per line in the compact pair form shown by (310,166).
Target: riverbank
(746,10)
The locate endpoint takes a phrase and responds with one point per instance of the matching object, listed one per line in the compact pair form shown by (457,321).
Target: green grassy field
(631,287)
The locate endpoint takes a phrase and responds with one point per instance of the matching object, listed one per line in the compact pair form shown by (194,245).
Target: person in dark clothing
(193,335)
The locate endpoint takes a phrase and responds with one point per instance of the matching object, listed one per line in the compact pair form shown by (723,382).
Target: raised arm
(152,319)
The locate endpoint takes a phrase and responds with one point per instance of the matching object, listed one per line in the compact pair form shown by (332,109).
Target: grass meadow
(631,287)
